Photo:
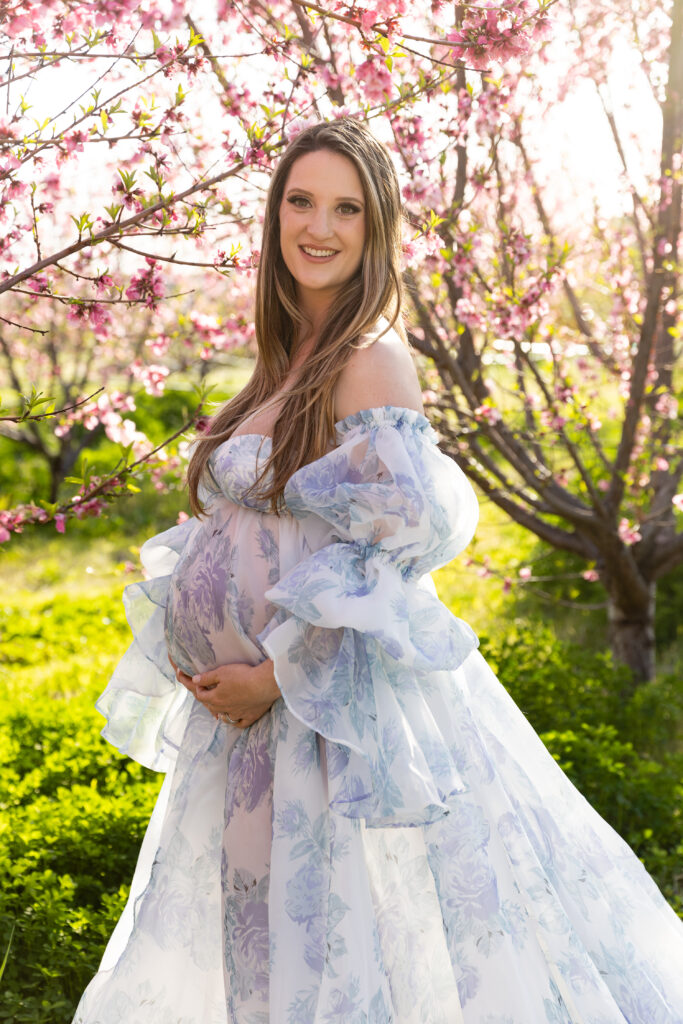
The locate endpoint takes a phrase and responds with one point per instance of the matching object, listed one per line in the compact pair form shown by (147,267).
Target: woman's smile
(317,254)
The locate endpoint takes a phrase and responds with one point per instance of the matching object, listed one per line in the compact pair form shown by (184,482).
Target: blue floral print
(391,843)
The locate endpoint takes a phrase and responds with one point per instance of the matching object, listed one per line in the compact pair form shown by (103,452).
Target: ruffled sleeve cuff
(145,707)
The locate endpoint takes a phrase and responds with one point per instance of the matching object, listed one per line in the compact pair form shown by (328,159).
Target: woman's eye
(347,209)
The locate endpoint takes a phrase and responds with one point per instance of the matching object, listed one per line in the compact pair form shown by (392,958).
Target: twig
(78,300)
(10,60)
(55,412)
(167,259)
(128,470)
(23,327)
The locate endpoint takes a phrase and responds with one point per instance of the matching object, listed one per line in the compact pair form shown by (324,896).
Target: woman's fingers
(248,719)
(181,676)
(204,683)
(234,690)
(204,692)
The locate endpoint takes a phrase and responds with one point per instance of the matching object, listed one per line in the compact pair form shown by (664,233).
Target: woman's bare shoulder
(379,373)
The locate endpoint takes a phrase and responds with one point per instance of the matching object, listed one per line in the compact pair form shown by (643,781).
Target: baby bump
(216,606)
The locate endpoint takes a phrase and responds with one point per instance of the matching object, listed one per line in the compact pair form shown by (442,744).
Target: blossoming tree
(126,96)
(548,357)
(559,396)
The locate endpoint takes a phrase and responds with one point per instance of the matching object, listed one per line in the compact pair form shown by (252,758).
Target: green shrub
(72,810)
(74,813)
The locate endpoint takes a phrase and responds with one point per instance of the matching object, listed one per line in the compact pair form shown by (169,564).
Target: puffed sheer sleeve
(362,648)
(145,706)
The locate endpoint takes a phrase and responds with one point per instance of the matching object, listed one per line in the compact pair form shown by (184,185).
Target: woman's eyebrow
(339,199)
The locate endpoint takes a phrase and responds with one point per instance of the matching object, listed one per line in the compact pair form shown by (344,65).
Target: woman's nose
(320,224)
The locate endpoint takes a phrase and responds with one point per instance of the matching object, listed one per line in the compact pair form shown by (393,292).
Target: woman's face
(322,226)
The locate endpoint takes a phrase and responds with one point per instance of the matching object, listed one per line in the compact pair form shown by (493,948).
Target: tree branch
(119,228)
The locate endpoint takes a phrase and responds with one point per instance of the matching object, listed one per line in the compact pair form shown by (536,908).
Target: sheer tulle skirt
(254,904)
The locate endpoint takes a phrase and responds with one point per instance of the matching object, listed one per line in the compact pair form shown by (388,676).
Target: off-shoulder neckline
(374,416)
(396,414)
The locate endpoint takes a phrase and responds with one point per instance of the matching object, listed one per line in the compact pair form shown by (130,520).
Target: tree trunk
(632,634)
(62,463)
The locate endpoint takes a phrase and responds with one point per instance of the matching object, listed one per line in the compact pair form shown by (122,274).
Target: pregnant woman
(357,825)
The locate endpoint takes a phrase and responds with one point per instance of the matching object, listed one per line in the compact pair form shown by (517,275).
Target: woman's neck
(304,345)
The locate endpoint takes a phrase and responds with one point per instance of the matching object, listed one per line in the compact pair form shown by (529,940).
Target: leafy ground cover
(73,812)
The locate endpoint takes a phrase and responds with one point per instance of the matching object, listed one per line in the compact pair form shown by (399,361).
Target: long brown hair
(305,423)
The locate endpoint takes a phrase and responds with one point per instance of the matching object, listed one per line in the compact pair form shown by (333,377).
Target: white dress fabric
(391,843)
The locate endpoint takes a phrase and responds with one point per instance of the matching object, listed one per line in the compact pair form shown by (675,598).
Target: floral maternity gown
(391,843)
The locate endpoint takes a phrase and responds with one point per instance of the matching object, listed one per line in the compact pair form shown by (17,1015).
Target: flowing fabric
(391,843)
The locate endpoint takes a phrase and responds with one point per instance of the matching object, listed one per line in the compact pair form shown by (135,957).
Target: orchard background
(539,151)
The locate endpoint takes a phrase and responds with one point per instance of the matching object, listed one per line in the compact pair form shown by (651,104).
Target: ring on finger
(225,717)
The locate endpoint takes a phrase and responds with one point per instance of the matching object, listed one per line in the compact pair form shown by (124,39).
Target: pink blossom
(205,325)
(487,413)
(153,379)
(92,508)
(77,311)
(421,188)
(677,502)
(124,432)
(19,23)
(550,419)
(421,248)
(667,406)
(164,55)
(99,316)
(147,285)
(73,143)
(182,517)
(368,19)
(39,283)
(60,522)
(661,464)
(103,282)
(591,575)
(525,573)
(10,162)
(628,533)
(375,78)
(159,345)
(4,535)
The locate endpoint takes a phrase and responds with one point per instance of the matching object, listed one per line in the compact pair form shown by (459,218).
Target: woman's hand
(238,693)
